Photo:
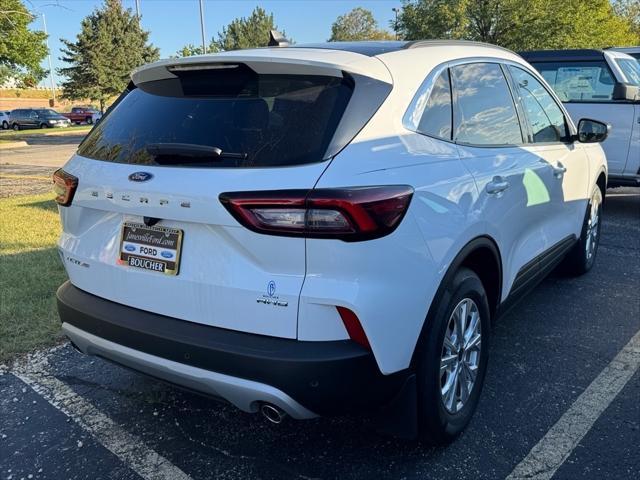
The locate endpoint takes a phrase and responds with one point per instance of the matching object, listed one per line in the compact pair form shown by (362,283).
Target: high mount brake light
(349,214)
(64,186)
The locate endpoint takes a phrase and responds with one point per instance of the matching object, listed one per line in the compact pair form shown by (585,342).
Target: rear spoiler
(272,61)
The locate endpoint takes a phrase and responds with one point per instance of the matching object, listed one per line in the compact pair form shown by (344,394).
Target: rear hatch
(146,227)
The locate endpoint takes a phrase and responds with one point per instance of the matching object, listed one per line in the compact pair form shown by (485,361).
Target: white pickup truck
(603,85)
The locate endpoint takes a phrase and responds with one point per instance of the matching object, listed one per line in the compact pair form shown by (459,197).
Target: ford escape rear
(324,229)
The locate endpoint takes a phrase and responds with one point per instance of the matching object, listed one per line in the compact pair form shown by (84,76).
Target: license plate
(151,248)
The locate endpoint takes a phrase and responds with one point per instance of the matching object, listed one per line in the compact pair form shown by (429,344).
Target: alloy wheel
(592,224)
(460,357)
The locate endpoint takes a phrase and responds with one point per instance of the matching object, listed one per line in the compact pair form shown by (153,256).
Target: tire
(89,121)
(44,125)
(582,256)
(16,127)
(443,412)
(5,125)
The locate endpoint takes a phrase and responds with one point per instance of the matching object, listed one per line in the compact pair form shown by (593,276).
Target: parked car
(327,228)
(633,51)
(604,85)
(80,115)
(96,117)
(37,118)
(5,119)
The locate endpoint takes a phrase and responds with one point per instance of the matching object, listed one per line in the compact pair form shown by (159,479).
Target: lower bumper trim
(245,394)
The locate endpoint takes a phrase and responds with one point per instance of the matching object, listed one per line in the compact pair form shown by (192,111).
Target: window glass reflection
(436,119)
(484,111)
(544,115)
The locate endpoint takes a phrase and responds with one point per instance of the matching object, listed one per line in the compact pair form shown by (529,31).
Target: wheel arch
(482,256)
(602,183)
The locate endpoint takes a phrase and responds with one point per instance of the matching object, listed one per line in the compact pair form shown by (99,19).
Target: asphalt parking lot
(67,416)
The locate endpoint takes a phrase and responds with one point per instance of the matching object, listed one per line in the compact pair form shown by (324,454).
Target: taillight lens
(349,214)
(354,327)
(64,186)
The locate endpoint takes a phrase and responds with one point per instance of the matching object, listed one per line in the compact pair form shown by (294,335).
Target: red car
(83,114)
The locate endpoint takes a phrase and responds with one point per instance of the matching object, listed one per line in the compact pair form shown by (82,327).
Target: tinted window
(544,116)
(436,118)
(484,112)
(631,70)
(579,81)
(255,120)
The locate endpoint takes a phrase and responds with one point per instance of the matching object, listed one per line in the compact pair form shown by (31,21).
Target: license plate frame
(151,248)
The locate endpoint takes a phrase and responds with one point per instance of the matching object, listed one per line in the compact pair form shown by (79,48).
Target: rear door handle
(496,186)
(559,170)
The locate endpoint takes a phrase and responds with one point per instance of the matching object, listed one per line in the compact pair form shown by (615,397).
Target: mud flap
(399,417)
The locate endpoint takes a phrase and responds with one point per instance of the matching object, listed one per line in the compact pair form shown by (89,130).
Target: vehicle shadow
(69,139)
(46,205)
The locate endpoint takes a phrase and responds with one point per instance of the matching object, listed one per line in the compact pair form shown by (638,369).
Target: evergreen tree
(251,32)
(110,45)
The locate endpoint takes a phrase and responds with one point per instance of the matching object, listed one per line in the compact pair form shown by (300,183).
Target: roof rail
(435,43)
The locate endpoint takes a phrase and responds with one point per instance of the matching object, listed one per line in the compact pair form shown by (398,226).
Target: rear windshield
(227,117)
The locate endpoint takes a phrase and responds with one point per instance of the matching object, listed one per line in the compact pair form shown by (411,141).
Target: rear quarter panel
(390,282)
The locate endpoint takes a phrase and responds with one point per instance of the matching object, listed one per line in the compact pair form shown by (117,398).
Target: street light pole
(53,85)
(138,10)
(204,44)
(395,25)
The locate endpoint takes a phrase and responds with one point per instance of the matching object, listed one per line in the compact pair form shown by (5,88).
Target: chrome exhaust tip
(272,413)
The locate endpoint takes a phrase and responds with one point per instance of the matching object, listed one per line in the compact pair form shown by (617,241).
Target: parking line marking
(554,448)
(143,460)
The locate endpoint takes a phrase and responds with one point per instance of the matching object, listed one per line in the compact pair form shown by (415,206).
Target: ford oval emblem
(166,254)
(140,177)
(130,248)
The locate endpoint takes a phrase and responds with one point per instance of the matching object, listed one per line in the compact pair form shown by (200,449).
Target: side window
(579,81)
(484,112)
(545,117)
(436,118)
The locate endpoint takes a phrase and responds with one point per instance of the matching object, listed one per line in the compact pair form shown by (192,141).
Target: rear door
(586,89)
(163,155)
(513,184)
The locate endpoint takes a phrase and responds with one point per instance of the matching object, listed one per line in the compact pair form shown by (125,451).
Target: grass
(21,134)
(30,272)
(27,93)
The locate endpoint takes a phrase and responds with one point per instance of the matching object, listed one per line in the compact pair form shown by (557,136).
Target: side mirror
(626,92)
(592,131)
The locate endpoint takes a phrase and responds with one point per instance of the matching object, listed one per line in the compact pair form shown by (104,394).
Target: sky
(175,23)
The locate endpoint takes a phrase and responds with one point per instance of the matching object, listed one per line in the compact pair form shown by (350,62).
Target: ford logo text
(140,176)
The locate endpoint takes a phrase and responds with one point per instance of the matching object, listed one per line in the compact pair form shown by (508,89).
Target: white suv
(324,229)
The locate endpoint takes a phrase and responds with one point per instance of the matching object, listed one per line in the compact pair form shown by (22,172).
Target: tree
(243,32)
(21,49)
(110,45)
(629,10)
(358,24)
(535,24)
(189,50)
(251,32)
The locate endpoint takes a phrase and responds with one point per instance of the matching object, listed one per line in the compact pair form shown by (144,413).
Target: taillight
(64,186)
(353,326)
(349,214)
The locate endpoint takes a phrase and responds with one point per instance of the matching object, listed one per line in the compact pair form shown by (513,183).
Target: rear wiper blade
(190,150)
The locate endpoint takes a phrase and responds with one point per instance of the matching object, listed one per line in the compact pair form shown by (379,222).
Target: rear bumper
(305,379)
